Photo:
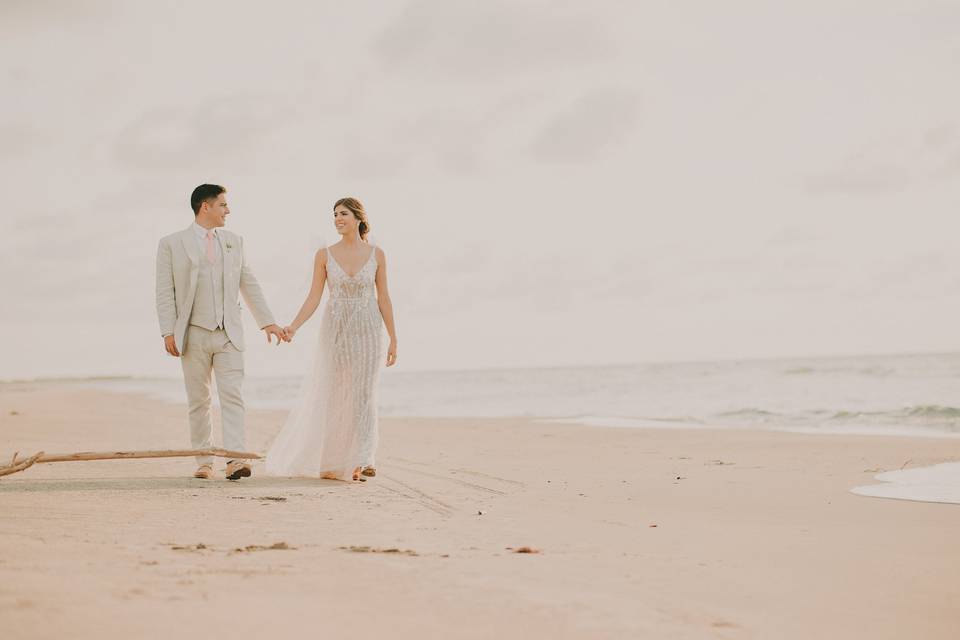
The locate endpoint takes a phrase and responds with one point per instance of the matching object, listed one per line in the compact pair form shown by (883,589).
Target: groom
(200,273)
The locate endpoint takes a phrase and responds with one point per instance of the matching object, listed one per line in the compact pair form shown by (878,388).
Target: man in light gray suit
(201,272)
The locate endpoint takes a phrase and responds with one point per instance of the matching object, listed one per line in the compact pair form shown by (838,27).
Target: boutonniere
(229,246)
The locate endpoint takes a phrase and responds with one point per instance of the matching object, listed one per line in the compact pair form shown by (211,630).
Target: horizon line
(608,365)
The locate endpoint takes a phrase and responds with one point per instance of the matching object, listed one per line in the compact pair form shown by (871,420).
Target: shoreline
(145,387)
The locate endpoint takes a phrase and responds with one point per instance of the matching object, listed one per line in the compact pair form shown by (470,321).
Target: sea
(913,395)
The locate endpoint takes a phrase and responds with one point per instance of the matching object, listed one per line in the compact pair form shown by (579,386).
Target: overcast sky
(553,183)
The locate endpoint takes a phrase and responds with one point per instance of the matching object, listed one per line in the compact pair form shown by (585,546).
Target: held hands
(290,331)
(170,343)
(273,330)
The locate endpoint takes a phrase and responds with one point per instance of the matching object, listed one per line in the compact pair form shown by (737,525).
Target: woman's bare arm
(386,306)
(316,292)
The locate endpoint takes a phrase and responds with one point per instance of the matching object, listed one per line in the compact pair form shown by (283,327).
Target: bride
(332,430)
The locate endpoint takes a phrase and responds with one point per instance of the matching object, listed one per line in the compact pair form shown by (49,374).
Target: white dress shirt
(201,234)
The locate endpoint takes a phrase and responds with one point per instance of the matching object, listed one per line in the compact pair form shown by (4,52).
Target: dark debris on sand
(366,549)
(276,546)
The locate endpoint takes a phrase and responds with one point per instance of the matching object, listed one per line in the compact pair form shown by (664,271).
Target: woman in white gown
(332,430)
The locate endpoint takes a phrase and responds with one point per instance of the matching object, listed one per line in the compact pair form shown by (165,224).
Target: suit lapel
(221,238)
(190,245)
(226,256)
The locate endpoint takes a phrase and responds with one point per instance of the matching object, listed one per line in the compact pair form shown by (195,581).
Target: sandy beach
(639,533)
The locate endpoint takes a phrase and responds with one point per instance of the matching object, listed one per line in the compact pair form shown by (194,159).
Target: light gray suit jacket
(178,265)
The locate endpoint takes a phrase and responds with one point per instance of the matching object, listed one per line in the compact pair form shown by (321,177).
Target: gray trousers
(206,352)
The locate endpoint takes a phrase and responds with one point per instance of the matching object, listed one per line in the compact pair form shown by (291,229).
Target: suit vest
(208,301)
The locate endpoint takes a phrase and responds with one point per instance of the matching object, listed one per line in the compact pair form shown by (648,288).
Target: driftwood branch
(164,453)
(15,466)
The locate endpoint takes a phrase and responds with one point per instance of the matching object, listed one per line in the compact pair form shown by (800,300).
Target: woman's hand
(289,332)
(392,353)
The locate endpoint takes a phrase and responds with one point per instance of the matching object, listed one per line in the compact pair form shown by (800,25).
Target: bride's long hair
(356,207)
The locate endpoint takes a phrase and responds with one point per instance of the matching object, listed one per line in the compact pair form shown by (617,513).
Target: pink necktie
(211,254)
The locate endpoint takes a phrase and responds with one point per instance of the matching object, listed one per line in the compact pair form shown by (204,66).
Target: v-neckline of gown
(344,271)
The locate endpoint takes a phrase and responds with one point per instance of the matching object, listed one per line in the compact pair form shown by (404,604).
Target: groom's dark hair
(203,193)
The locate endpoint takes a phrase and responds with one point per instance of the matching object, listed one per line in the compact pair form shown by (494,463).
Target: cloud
(597,119)
(225,126)
(880,166)
(459,135)
(459,138)
(371,161)
(157,137)
(858,179)
(20,139)
(794,235)
(942,138)
(19,15)
(489,40)
(943,145)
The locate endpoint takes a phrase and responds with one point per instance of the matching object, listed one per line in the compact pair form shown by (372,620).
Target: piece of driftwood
(16,466)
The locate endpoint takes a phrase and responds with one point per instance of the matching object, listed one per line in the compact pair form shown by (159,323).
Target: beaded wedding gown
(333,426)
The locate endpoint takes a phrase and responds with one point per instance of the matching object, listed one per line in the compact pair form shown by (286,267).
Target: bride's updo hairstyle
(356,207)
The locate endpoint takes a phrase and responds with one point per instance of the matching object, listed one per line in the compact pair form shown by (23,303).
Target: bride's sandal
(357,476)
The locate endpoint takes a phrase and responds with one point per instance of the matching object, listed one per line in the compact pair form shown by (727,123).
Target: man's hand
(273,330)
(170,343)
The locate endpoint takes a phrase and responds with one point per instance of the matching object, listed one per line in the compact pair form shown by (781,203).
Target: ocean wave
(750,413)
(80,379)
(873,372)
(797,371)
(846,415)
(920,413)
(933,411)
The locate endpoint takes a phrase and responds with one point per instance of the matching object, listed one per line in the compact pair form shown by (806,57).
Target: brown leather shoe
(203,472)
(237,469)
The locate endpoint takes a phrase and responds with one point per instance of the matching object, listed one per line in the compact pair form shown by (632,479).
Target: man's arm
(253,294)
(166,301)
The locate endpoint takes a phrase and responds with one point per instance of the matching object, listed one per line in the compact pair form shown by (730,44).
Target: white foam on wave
(939,483)
(634,423)
(869,430)
(693,423)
